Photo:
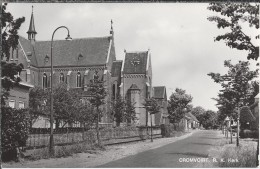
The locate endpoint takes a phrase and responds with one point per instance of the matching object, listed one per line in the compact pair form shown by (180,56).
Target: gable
(135,62)
(28,50)
(159,92)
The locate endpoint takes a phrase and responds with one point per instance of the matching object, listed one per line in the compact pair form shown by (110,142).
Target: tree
(178,101)
(152,106)
(198,112)
(208,119)
(15,131)
(98,94)
(234,16)
(68,105)
(9,41)
(130,113)
(122,109)
(237,89)
(37,103)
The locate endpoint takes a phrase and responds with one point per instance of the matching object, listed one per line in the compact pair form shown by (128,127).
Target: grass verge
(63,151)
(229,155)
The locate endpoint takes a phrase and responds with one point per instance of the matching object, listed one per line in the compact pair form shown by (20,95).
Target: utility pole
(151,127)
(231,130)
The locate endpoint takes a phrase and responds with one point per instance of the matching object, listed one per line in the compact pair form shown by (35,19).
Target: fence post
(39,136)
(67,135)
(34,140)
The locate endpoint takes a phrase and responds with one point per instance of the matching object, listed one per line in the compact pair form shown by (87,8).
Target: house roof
(159,92)
(135,62)
(246,110)
(78,52)
(116,68)
(192,116)
(28,48)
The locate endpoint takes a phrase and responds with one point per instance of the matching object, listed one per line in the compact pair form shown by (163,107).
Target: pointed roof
(93,51)
(159,92)
(135,62)
(192,116)
(134,87)
(32,26)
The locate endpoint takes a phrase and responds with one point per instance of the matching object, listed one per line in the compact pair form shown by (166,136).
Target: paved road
(196,146)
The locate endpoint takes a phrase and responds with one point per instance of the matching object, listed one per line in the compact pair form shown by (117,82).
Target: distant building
(189,122)
(193,122)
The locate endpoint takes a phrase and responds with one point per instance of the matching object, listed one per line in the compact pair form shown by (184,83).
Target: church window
(114,91)
(78,83)
(49,81)
(44,81)
(62,78)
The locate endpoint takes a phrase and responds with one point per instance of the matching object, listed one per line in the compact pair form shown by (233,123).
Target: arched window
(44,81)
(62,78)
(78,83)
(114,91)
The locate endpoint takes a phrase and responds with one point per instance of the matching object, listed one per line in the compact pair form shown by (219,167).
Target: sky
(179,36)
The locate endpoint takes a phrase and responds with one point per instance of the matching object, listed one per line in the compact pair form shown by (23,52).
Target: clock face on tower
(135,61)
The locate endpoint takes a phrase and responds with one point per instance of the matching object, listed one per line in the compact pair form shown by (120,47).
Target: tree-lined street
(177,154)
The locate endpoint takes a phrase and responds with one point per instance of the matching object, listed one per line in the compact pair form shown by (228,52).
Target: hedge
(15,131)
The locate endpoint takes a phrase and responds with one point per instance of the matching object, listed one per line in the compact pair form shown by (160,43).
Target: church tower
(31,32)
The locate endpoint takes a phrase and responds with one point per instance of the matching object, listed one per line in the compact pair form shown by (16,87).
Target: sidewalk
(113,152)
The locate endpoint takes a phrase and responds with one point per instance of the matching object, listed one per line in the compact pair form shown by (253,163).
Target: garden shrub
(15,131)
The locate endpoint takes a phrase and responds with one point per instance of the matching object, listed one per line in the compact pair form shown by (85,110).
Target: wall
(19,94)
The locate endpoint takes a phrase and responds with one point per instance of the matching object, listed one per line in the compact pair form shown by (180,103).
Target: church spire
(31,32)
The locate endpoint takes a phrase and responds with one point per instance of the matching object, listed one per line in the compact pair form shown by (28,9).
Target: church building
(75,63)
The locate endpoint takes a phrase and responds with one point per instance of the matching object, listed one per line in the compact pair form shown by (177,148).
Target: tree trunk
(83,131)
(57,123)
(1,92)
(97,128)
(117,123)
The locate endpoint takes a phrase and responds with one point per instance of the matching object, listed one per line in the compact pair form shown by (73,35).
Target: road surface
(181,153)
